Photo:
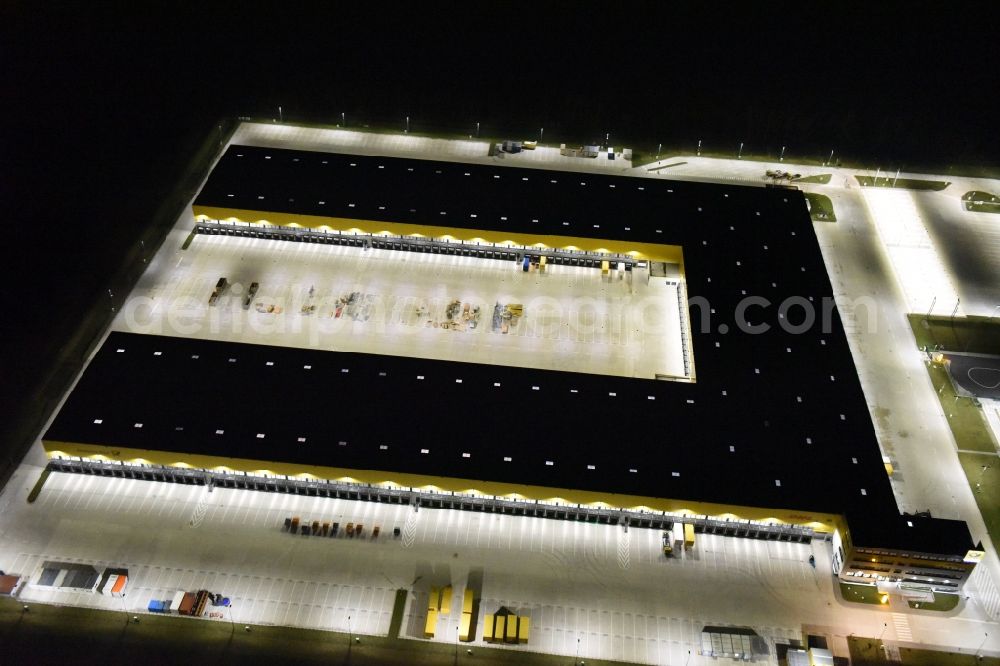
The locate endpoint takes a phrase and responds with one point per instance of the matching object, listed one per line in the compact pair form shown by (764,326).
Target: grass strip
(33,495)
(902,183)
(981,202)
(820,207)
(868,652)
(821,178)
(975,335)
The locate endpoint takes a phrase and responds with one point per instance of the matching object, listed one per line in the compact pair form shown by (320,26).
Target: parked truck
(220,287)
(186,607)
(678,537)
(118,589)
(251,292)
(688,536)
(668,543)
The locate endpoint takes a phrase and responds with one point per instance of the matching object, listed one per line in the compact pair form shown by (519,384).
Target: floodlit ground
(611,589)
(926,283)
(574,320)
(403,145)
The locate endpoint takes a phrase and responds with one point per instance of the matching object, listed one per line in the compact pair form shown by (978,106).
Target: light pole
(577,662)
(895,178)
(477,130)
(781,158)
(659,149)
(829,160)
(885,625)
(699,147)
(343,120)
(541,134)
(281,117)
(739,155)
(407,125)
(985,636)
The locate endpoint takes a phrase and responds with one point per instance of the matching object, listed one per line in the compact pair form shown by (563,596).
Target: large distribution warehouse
(714,386)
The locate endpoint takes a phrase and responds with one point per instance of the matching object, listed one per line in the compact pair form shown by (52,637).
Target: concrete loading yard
(388,302)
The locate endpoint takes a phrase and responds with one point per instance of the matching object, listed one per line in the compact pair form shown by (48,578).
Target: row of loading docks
(420,245)
(360,492)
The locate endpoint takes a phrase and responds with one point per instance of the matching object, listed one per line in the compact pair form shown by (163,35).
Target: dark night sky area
(103,102)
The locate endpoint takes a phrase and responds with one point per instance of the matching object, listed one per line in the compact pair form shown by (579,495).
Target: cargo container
(201,601)
(467,601)
(605,268)
(464,627)
(688,536)
(434,599)
(118,589)
(156,606)
(446,600)
(510,636)
(488,621)
(431,624)
(8,583)
(523,628)
(186,606)
(109,583)
(175,604)
(500,627)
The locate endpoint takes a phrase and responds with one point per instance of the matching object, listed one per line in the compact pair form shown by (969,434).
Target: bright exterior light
(921,273)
